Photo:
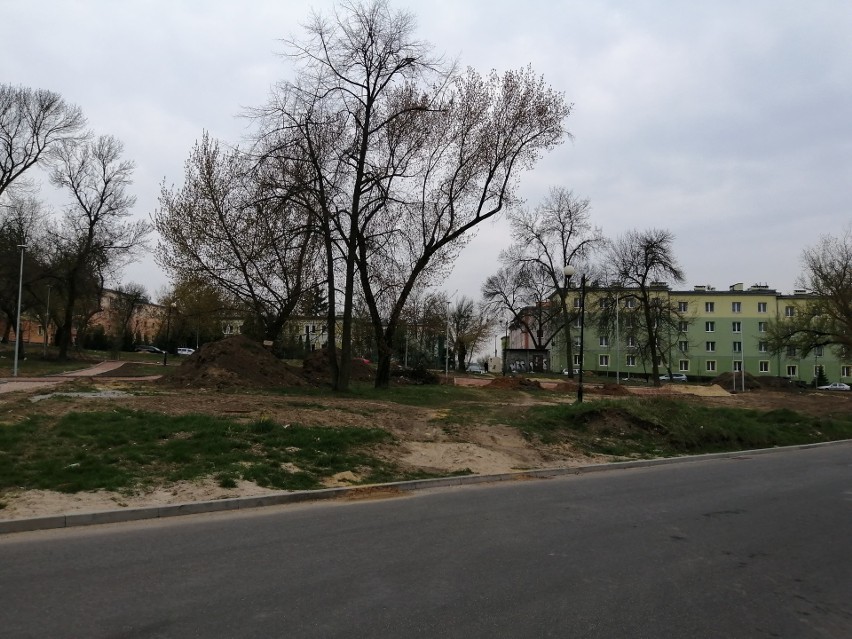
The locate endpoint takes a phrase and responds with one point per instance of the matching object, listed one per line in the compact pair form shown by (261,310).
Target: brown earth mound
(515,383)
(316,367)
(234,362)
(727,381)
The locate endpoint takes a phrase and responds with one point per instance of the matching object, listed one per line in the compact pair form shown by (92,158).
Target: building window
(631,341)
(630,302)
(603,302)
(763,366)
(629,322)
(682,307)
(603,360)
(789,311)
(736,307)
(738,347)
(41,330)
(738,365)
(792,370)
(576,302)
(709,307)
(761,307)
(710,365)
(791,351)
(709,326)
(762,347)
(816,370)
(711,347)
(761,327)
(683,327)
(737,327)
(577,322)
(577,342)
(603,340)
(630,360)
(818,351)
(845,371)
(683,365)
(577,360)
(683,346)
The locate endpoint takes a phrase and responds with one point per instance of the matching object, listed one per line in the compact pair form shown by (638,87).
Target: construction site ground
(212,382)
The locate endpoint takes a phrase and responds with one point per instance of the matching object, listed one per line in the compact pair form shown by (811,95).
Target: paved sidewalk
(14,384)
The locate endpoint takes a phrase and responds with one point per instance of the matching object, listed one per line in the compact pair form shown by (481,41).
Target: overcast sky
(726,122)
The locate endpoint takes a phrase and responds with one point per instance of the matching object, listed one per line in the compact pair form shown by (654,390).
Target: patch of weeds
(226,480)
(665,427)
(125,449)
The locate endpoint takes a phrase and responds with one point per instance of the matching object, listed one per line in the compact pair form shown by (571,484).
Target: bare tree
(222,227)
(33,122)
(556,234)
(523,290)
(469,324)
(94,241)
(825,316)
(643,264)
(406,157)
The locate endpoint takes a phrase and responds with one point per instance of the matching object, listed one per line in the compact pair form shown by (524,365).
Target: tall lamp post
(569,271)
(168,328)
(20,294)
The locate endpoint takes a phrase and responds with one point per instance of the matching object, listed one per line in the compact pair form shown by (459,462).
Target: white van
(185,351)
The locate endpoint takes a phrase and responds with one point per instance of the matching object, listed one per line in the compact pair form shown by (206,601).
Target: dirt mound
(234,362)
(514,383)
(316,367)
(727,381)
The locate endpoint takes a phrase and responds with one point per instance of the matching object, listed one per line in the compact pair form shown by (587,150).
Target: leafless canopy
(825,318)
(643,266)
(403,155)
(33,122)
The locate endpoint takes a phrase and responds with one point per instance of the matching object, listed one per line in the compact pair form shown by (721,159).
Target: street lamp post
(20,294)
(447,345)
(569,271)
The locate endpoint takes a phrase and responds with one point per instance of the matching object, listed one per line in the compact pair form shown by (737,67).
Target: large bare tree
(95,239)
(555,234)
(404,156)
(643,266)
(33,123)
(824,318)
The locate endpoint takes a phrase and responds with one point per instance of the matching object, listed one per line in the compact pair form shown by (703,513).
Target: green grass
(124,450)
(666,427)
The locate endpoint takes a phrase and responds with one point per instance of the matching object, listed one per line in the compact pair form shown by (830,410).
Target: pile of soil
(514,383)
(727,381)
(316,368)
(234,362)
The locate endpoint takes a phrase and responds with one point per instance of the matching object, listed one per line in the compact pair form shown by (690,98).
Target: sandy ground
(426,443)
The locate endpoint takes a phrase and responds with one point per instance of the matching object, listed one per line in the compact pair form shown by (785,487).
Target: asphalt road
(746,547)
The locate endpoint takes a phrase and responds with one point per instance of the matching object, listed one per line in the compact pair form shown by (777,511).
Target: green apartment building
(717,332)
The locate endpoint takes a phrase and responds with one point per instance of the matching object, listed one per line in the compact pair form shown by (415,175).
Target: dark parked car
(143,348)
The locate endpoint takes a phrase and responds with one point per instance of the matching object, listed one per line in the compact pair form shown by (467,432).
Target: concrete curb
(279,499)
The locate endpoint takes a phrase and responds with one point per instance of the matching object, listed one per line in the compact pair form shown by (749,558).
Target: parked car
(475,368)
(185,351)
(835,386)
(675,377)
(144,348)
(567,371)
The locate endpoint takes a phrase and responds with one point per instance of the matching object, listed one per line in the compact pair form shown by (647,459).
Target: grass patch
(668,427)
(123,450)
